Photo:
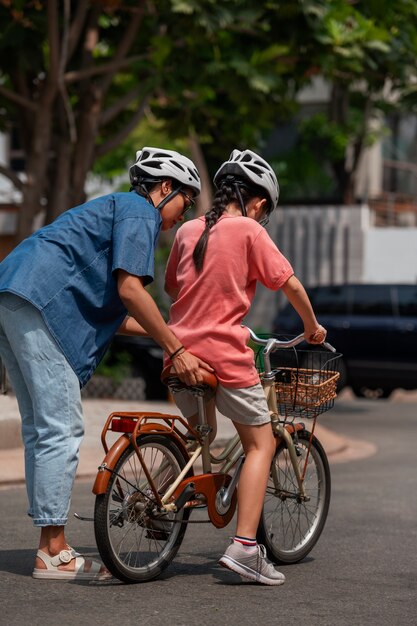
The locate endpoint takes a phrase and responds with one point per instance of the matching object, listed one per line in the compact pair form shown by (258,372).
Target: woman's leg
(259,447)
(49,400)
(57,428)
(25,409)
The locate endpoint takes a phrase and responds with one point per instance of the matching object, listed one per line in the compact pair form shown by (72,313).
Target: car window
(372,300)
(330,300)
(407,300)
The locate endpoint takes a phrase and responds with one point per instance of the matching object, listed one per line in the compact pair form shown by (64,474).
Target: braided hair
(228,192)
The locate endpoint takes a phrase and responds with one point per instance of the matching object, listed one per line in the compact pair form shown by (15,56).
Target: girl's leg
(210,417)
(187,404)
(259,447)
(244,556)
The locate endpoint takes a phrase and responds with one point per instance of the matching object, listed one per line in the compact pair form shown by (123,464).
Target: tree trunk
(205,199)
(338,114)
(59,193)
(37,164)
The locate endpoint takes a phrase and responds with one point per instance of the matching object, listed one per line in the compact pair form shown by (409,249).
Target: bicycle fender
(122,443)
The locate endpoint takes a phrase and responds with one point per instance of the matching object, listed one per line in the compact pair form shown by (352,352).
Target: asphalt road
(362,572)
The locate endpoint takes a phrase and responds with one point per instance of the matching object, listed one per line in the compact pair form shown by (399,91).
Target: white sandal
(65,556)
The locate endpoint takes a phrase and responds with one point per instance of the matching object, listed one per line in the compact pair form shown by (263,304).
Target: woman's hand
(188,367)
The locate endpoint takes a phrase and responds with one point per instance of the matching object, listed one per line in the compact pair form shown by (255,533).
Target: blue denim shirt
(67,271)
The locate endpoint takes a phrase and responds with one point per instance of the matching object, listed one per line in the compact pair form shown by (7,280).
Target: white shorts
(245,405)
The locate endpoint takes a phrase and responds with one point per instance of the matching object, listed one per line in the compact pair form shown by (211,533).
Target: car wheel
(371,392)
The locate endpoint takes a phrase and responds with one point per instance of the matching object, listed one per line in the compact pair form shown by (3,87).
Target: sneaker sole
(248,573)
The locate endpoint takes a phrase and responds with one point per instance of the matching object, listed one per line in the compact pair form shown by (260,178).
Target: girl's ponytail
(224,195)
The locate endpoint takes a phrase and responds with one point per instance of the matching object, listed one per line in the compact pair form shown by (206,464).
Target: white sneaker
(251,564)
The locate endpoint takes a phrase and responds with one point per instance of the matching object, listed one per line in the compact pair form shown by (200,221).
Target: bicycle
(146,487)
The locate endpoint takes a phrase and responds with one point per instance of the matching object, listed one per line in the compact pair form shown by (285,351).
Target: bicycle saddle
(170,378)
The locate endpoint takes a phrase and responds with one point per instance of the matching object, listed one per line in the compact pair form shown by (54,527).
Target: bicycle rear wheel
(290,527)
(135,543)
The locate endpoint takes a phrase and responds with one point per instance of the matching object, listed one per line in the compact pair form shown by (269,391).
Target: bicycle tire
(134,545)
(289,528)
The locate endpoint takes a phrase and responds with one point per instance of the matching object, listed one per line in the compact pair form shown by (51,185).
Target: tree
(62,86)
(77,77)
(367,51)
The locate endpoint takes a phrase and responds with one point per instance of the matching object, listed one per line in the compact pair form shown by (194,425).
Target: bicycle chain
(174,521)
(189,521)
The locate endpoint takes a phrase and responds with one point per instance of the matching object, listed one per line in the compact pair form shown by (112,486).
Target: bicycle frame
(160,467)
(212,485)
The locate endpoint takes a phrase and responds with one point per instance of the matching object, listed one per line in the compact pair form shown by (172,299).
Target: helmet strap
(169,197)
(141,189)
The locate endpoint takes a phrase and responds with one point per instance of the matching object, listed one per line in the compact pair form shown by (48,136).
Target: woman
(65,291)
(212,271)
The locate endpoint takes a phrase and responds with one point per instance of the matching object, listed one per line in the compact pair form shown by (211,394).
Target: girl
(212,271)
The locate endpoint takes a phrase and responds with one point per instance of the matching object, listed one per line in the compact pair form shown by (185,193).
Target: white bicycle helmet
(157,164)
(250,166)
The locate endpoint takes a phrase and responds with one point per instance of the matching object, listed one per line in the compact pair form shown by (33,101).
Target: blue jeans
(49,399)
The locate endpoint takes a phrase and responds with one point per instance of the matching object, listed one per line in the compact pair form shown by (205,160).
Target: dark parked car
(374,326)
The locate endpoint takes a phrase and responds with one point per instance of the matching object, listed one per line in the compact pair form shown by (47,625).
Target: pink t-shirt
(207,315)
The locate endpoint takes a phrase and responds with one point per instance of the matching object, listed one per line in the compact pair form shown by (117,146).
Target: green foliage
(116,368)
(227,71)
(149,132)
(302,176)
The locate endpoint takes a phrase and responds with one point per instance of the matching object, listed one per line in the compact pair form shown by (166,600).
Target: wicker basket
(305,380)
(302,389)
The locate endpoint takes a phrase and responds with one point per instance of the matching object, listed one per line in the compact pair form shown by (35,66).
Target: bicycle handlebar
(274,344)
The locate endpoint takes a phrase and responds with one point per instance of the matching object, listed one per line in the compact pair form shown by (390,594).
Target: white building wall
(335,245)
(390,255)
(8,193)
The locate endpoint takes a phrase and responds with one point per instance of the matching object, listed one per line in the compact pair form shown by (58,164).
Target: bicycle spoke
(290,522)
(134,541)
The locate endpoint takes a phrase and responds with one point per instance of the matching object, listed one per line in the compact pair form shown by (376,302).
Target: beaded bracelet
(171,356)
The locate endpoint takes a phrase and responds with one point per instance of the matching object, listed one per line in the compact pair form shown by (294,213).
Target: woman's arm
(143,309)
(130,326)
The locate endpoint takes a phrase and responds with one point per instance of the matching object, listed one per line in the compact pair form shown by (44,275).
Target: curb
(10,436)
(10,423)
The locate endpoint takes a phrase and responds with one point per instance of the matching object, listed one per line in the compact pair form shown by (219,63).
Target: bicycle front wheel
(135,542)
(290,526)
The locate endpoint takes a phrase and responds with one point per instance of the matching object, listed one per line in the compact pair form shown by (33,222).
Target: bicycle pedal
(82,518)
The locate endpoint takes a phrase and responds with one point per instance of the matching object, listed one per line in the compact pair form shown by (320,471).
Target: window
(407,300)
(330,300)
(372,300)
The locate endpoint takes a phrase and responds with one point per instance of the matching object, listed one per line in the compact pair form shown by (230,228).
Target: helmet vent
(155,164)
(255,170)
